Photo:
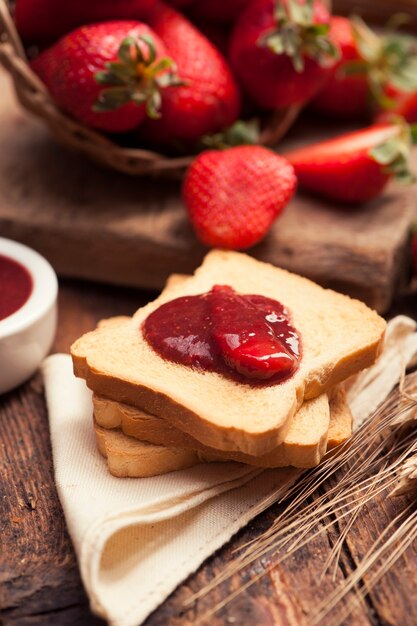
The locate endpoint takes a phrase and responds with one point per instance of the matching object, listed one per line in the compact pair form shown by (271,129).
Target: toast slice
(340,336)
(128,456)
(303,446)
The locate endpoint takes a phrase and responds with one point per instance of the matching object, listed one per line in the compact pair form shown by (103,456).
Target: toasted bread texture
(340,427)
(304,445)
(340,336)
(129,456)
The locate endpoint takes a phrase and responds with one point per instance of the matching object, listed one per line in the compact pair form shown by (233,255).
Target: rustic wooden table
(39,579)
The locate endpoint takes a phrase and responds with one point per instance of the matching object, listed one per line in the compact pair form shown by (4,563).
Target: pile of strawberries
(176,75)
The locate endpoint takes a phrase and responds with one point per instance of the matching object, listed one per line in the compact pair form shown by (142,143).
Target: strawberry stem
(296,35)
(394,154)
(239,134)
(137,76)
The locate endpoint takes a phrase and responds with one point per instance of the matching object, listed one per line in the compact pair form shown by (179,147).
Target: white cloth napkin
(137,539)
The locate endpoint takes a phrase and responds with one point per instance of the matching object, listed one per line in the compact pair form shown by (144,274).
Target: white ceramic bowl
(26,336)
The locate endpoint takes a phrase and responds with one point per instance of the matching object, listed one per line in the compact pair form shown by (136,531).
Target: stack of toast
(153,415)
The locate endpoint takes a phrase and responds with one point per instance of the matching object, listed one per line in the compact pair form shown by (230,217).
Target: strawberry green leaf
(163,64)
(367,42)
(296,35)
(125,51)
(147,39)
(239,134)
(112,99)
(352,68)
(136,76)
(394,154)
(170,80)
(389,60)
(153,105)
(120,71)
(275,43)
(108,78)
(386,153)
(319,29)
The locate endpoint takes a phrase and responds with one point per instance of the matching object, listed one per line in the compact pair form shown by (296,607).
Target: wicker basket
(33,96)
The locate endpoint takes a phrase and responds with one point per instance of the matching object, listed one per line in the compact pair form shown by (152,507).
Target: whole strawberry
(370,72)
(209,99)
(355,167)
(280,51)
(44,21)
(108,75)
(234,196)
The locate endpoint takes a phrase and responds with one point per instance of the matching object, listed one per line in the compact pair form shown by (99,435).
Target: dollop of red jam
(248,338)
(15,286)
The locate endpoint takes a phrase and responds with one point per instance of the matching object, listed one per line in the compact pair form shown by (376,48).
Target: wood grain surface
(101,225)
(39,579)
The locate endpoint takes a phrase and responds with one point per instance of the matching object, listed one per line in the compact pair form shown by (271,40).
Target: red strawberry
(280,52)
(371,69)
(233,196)
(224,12)
(354,167)
(209,99)
(44,21)
(106,75)
(253,345)
(344,96)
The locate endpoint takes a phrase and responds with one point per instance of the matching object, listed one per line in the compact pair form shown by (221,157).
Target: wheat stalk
(407,477)
(380,452)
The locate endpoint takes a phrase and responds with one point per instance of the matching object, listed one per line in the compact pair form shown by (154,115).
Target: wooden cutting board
(96,224)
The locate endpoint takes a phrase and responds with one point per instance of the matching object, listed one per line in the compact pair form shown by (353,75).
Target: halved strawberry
(253,334)
(356,166)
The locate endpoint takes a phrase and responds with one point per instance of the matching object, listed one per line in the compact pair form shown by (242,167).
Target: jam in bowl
(28,295)
(16,285)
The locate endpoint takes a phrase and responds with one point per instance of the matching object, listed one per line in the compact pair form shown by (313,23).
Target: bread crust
(304,445)
(131,457)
